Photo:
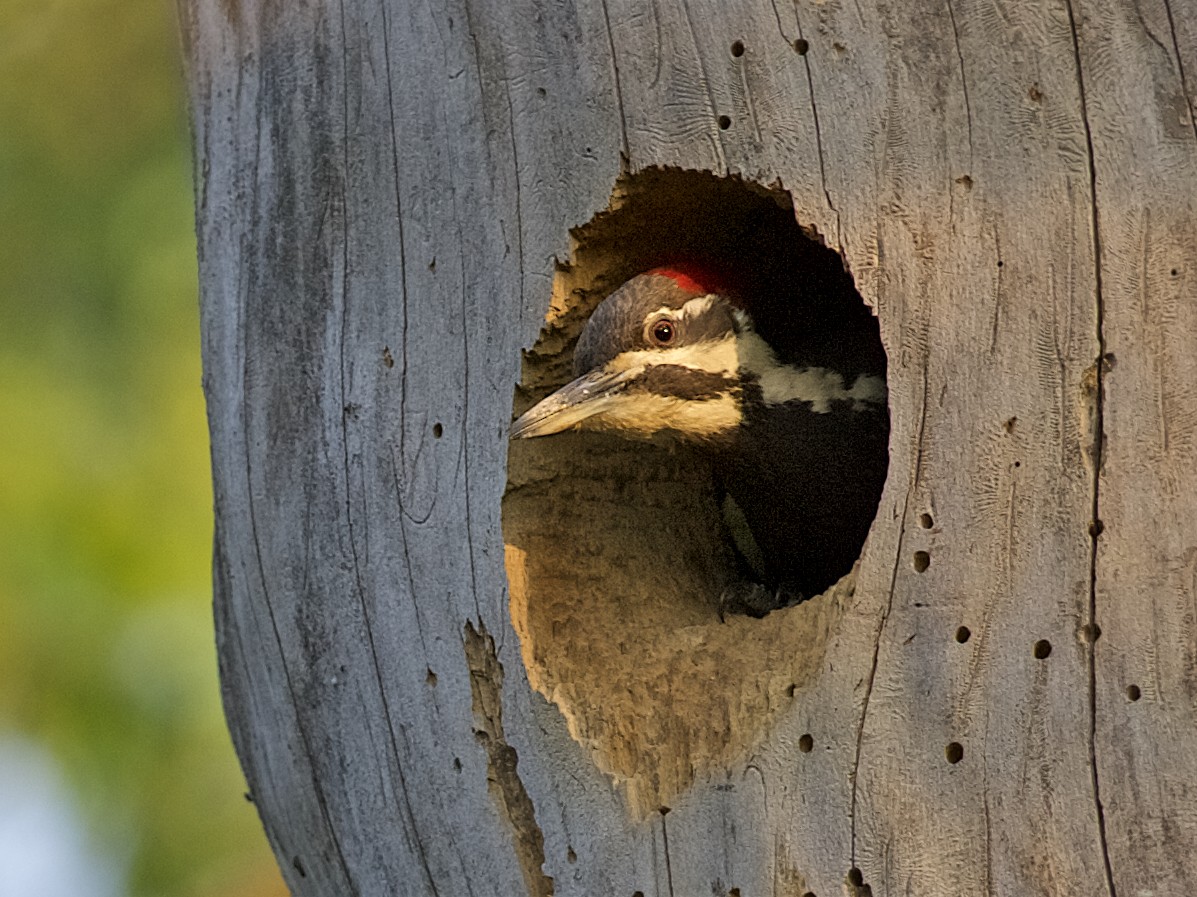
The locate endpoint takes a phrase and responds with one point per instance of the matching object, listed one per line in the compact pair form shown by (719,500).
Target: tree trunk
(384,191)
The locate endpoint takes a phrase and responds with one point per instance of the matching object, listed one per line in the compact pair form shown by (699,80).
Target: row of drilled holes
(921,560)
(954,751)
(1042,649)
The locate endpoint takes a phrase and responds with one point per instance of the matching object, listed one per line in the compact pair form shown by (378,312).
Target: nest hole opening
(618,549)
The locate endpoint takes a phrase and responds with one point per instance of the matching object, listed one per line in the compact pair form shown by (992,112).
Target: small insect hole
(1133,693)
(737,49)
(809,894)
(437,431)
(1018,464)
(921,561)
(1001,264)
(954,752)
(926,521)
(806,744)
(1096,528)
(724,123)
(801,46)
(963,634)
(1175,272)
(1090,632)
(734,892)
(1042,649)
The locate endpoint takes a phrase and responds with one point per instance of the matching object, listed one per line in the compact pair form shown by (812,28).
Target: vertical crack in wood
(390,77)
(465,444)
(623,120)
(814,111)
(968,109)
(503,780)
(1093,387)
(780,30)
(997,293)
(519,210)
(1180,67)
(665,847)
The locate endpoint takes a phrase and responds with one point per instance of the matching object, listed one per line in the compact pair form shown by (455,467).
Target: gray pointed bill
(572,405)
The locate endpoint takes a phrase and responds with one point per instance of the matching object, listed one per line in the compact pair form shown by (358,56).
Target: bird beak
(571,405)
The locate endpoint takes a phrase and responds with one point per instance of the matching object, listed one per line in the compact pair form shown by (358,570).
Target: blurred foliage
(106,647)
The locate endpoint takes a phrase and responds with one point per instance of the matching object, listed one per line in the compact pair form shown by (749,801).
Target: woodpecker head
(670,351)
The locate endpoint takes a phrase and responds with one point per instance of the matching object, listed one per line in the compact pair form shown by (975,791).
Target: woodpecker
(799,448)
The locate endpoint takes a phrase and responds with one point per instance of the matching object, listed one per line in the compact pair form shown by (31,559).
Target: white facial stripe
(711,356)
(817,386)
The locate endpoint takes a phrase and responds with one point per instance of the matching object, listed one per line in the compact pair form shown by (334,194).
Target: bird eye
(662,331)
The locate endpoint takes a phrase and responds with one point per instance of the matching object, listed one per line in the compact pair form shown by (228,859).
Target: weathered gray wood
(1146,583)
(383,191)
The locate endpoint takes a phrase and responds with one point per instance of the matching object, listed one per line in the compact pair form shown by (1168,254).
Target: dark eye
(662,331)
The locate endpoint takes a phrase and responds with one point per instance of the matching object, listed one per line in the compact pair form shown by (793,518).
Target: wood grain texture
(384,191)
(1145,687)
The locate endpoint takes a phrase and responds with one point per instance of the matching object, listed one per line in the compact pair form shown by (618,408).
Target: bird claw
(753,599)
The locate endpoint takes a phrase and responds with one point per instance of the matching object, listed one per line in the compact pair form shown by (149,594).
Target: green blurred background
(110,723)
